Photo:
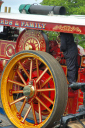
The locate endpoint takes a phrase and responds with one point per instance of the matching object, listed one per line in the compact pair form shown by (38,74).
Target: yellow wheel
(33,98)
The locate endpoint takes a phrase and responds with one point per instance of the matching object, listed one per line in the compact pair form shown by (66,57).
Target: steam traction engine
(34,90)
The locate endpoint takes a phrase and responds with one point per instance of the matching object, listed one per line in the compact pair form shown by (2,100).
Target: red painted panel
(7,49)
(43,26)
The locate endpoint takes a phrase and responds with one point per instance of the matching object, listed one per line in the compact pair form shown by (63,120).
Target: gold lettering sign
(66,28)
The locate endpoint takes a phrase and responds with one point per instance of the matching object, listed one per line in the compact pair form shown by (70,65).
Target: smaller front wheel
(33,90)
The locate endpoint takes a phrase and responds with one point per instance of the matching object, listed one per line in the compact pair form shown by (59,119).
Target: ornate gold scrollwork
(10,50)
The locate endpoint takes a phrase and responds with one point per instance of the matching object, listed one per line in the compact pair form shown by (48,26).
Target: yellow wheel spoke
(22,107)
(37,66)
(43,104)
(23,69)
(31,69)
(47,98)
(21,77)
(33,111)
(15,101)
(40,115)
(46,89)
(41,75)
(15,82)
(18,91)
(26,114)
(46,81)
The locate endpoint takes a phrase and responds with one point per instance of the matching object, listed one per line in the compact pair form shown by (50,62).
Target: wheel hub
(28,47)
(29,90)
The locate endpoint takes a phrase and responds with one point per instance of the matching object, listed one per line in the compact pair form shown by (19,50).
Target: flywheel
(32,40)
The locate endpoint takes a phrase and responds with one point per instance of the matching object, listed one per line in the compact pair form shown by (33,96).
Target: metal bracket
(72,117)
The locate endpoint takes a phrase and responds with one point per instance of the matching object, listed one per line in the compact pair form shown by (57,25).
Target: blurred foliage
(76,7)
(51,35)
(73,7)
(80,39)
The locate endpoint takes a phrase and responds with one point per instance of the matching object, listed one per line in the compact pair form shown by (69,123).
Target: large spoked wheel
(33,97)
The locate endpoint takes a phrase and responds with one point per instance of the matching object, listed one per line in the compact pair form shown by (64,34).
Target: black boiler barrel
(45,10)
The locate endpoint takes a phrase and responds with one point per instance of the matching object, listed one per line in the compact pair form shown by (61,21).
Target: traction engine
(33,73)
